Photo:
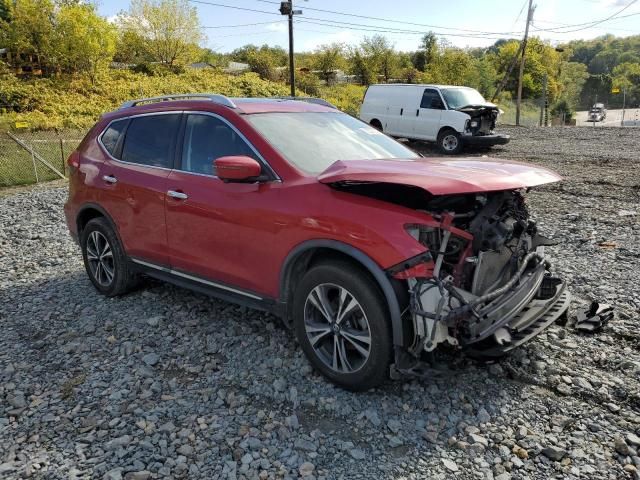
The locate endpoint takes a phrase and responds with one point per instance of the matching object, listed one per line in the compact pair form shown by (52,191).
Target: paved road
(614,117)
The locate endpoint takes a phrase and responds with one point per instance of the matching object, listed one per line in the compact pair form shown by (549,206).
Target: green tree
(381,56)
(170,29)
(427,52)
(29,31)
(328,59)
(627,76)
(571,80)
(84,41)
(362,67)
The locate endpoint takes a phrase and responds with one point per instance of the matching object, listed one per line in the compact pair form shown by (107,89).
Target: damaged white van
(448,115)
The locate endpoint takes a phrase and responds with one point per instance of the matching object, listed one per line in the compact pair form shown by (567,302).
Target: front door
(133,179)
(426,123)
(218,231)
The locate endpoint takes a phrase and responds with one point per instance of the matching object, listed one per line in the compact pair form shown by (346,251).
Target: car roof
(421,85)
(242,106)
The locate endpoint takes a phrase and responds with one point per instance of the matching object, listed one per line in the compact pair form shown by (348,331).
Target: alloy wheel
(337,328)
(100,258)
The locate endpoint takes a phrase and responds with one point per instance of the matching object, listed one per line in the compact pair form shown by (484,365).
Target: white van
(448,115)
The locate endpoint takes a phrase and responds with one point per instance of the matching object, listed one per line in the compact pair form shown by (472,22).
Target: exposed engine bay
(484,284)
(488,267)
(483,118)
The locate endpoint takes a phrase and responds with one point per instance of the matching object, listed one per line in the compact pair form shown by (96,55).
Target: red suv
(371,253)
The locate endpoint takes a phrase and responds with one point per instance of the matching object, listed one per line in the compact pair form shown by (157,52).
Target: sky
(463,23)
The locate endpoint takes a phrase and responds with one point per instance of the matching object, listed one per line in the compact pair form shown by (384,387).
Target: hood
(479,107)
(441,176)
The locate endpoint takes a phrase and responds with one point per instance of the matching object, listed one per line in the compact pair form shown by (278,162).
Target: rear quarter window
(111,138)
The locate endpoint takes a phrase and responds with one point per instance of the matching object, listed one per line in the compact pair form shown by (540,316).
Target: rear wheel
(375,123)
(342,325)
(104,259)
(449,142)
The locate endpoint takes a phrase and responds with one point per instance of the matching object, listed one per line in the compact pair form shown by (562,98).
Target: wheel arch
(444,128)
(375,122)
(302,256)
(88,212)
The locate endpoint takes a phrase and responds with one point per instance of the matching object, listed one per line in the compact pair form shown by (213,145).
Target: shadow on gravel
(171,355)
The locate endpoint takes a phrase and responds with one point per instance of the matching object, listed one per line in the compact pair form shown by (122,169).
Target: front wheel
(343,326)
(449,142)
(105,260)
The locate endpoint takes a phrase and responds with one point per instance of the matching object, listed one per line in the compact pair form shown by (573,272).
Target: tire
(449,142)
(340,351)
(376,124)
(104,259)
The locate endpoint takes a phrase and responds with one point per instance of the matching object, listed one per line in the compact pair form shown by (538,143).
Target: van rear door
(401,100)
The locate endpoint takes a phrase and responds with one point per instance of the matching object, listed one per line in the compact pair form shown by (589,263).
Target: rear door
(134,181)
(218,232)
(426,122)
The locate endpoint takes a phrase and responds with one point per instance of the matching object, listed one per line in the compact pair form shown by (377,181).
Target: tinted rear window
(150,140)
(112,135)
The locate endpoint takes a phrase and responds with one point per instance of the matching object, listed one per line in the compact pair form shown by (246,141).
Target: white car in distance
(449,115)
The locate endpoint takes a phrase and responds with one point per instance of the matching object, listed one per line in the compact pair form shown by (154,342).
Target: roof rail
(220,99)
(315,100)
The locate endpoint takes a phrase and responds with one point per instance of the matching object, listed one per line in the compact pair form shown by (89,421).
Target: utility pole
(524,52)
(543,105)
(286,8)
(624,101)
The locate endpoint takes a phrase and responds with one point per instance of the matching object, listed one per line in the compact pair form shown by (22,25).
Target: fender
(363,259)
(103,212)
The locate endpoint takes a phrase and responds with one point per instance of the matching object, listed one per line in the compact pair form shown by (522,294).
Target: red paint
(241,233)
(442,176)
(236,167)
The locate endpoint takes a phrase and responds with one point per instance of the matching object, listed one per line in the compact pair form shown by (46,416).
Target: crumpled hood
(441,176)
(478,107)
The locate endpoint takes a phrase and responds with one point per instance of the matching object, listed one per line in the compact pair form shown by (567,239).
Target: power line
(377,29)
(592,23)
(241,25)
(389,20)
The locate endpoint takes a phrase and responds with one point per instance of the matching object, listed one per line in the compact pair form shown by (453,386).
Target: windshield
(461,97)
(312,141)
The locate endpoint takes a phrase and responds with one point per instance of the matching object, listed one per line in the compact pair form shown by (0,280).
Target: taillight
(73,162)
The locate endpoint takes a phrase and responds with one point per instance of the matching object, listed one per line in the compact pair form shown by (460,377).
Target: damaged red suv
(371,253)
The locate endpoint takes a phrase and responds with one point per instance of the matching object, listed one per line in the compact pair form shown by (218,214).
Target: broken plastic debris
(593,318)
(608,244)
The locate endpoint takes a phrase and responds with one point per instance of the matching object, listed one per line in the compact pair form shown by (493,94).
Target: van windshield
(312,141)
(461,97)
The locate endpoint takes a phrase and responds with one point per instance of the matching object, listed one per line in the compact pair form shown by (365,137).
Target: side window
(431,99)
(207,138)
(150,139)
(111,136)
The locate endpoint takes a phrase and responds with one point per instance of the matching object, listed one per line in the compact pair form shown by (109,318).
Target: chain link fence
(28,157)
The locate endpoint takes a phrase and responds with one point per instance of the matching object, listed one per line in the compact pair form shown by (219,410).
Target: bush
(308,83)
(74,102)
(560,108)
(346,97)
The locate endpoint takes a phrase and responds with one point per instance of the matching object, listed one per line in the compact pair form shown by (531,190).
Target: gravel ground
(167,383)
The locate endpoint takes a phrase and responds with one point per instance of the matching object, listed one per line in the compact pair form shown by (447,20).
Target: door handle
(401,110)
(109,178)
(178,195)
(417,112)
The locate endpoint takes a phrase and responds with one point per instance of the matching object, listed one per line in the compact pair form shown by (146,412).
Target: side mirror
(236,168)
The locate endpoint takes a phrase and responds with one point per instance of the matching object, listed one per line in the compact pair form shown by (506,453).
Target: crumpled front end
(485,283)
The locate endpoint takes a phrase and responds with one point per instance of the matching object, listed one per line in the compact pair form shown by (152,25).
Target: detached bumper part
(486,140)
(533,319)
(492,327)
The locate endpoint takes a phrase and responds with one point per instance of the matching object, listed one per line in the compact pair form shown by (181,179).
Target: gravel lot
(166,383)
